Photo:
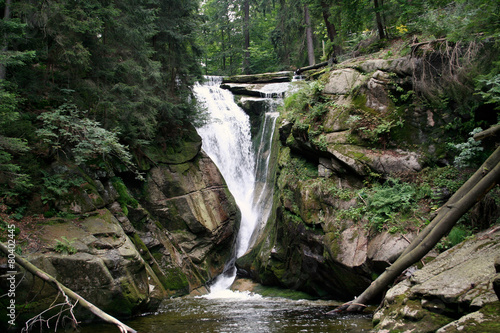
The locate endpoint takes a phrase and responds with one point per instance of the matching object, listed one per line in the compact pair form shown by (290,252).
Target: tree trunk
(487,176)
(5,48)
(330,27)
(246,34)
(378,17)
(84,303)
(309,36)
(493,130)
(489,164)
(315,66)
(223,47)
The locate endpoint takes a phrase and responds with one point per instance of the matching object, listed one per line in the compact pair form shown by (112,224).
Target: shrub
(469,151)
(68,129)
(65,246)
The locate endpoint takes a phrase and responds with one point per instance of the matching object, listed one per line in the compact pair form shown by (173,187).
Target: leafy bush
(492,95)
(468,151)
(457,235)
(68,129)
(386,206)
(56,186)
(12,180)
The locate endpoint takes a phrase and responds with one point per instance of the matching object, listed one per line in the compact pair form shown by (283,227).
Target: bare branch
(66,291)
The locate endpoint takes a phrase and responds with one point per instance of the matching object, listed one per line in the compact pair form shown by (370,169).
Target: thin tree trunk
(6,17)
(483,181)
(246,33)
(223,47)
(84,303)
(378,17)
(309,36)
(330,27)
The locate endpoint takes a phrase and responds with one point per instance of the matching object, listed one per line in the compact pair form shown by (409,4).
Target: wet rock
(192,201)
(106,269)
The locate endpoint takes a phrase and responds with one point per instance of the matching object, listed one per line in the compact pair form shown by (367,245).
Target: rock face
(107,268)
(191,201)
(127,244)
(306,246)
(453,293)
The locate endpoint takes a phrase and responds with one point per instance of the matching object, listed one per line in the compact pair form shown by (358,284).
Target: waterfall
(243,164)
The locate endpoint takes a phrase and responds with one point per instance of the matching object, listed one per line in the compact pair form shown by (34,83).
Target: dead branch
(68,292)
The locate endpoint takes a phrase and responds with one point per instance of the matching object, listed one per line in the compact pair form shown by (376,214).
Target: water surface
(243,313)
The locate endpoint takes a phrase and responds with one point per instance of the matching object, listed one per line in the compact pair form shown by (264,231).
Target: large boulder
(192,201)
(455,292)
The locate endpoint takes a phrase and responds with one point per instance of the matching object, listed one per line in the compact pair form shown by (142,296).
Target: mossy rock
(184,151)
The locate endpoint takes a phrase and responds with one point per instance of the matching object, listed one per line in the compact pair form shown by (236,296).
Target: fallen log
(316,66)
(70,293)
(493,130)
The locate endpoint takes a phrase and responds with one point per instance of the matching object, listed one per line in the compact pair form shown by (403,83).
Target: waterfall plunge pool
(242,312)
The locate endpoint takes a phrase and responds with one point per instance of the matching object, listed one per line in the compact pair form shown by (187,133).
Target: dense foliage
(92,82)
(278,29)
(98,82)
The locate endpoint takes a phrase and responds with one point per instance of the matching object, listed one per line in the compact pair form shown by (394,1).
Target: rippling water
(243,313)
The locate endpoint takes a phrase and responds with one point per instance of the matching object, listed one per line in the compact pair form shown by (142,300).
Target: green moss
(359,102)
(175,279)
(124,197)
(279,270)
(281,292)
(124,305)
(139,244)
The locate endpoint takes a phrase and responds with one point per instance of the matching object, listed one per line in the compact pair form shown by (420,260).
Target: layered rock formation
(124,244)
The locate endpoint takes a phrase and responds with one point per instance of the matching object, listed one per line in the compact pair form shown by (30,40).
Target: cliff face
(124,244)
(349,127)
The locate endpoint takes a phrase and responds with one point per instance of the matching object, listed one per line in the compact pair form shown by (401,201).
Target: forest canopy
(98,82)
(252,36)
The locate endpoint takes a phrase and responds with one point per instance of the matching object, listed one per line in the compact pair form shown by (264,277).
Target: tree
(178,54)
(378,18)
(330,27)
(246,35)
(221,37)
(309,36)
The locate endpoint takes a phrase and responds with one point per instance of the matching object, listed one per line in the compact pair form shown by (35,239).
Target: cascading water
(244,166)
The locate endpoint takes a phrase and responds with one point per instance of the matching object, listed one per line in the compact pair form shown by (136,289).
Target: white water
(227,140)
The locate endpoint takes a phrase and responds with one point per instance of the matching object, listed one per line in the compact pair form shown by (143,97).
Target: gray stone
(457,282)
(343,81)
